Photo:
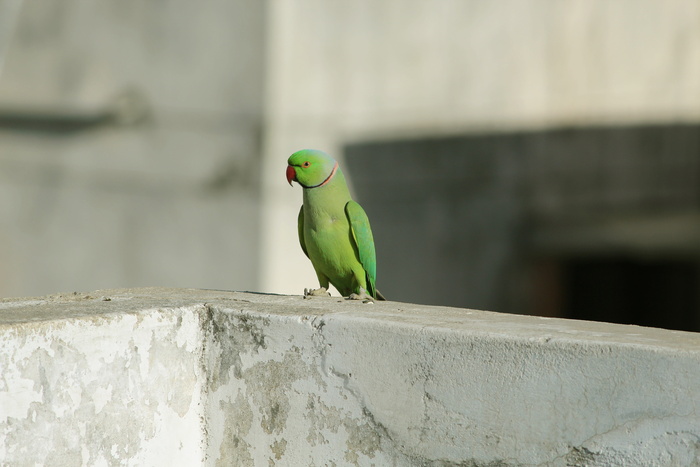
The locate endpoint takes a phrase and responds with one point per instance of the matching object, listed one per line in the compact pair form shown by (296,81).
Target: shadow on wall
(588,223)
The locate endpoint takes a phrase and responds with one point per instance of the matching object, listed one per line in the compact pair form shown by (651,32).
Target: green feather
(362,235)
(300,228)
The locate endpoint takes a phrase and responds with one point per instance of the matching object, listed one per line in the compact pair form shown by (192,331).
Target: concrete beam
(193,377)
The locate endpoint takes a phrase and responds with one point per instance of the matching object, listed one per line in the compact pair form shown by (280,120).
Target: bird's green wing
(362,234)
(300,225)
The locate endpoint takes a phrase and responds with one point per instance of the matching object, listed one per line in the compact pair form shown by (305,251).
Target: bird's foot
(363,295)
(320,292)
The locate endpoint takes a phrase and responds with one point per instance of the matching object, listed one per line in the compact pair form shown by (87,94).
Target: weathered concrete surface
(193,377)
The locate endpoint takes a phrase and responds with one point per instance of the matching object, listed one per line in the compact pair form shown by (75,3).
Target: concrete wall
(192,377)
(129,144)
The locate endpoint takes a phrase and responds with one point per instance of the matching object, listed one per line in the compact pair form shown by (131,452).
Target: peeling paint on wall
(183,377)
(103,390)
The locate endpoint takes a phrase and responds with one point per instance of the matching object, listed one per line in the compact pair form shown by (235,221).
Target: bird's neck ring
(328,179)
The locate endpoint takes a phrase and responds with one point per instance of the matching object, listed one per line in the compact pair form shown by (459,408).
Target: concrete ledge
(193,377)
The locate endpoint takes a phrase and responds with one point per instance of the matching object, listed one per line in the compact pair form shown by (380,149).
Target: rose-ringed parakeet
(334,231)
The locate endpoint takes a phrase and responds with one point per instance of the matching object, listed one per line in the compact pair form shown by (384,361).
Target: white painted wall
(193,377)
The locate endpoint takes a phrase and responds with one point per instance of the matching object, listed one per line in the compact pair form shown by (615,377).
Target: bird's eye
(306,164)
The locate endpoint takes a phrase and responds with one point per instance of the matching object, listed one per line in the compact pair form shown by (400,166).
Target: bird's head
(310,168)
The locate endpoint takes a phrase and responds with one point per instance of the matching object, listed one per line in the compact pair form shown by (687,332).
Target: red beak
(291,174)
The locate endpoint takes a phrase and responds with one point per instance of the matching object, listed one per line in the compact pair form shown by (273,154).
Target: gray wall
(162,376)
(129,145)
(447,217)
(459,220)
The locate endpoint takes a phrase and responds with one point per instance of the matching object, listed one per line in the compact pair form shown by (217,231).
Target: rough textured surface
(193,377)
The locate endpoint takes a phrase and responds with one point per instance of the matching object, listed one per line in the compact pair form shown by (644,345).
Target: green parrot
(334,230)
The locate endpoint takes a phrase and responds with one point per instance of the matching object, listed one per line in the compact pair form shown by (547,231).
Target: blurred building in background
(599,223)
(130,145)
(521,156)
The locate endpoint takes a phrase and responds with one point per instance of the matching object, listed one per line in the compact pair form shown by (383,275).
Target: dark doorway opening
(659,293)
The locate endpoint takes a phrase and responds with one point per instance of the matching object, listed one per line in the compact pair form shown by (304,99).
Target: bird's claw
(320,292)
(361,296)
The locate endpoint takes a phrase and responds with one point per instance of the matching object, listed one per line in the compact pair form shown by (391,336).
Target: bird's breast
(327,234)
